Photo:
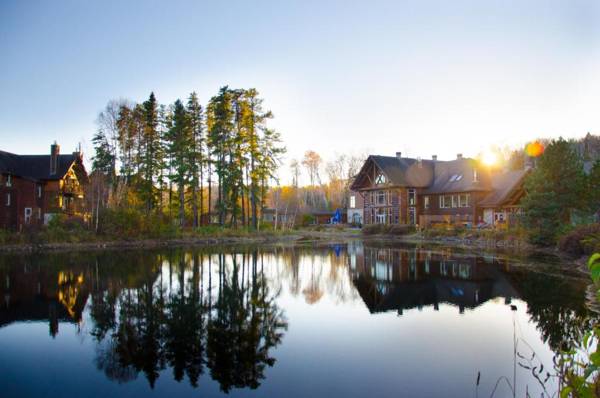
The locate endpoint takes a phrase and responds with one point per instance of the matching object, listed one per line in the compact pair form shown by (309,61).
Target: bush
(376,229)
(307,219)
(373,229)
(400,229)
(583,239)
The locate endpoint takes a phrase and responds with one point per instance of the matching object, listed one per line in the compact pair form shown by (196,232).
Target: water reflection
(149,312)
(217,314)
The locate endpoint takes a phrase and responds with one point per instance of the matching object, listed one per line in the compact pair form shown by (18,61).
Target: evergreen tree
(196,156)
(151,156)
(179,140)
(553,190)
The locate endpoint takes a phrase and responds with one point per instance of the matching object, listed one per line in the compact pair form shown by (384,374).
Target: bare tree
(312,161)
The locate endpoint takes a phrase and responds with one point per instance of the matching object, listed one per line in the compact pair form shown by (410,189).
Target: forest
(174,162)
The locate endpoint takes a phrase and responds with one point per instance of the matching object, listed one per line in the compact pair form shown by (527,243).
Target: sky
(420,77)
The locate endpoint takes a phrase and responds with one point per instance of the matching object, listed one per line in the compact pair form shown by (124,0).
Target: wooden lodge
(34,188)
(400,190)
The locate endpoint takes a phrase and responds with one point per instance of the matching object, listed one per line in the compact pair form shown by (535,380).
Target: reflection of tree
(230,328)
(557,305)
(246,324)
(185,328)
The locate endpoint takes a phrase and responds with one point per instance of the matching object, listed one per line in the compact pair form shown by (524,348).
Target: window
(39,189)
(352,202)
(380,179)
(381,216)
(454,201)
(39,213)
(381,197)
(28,212)
(464,200)
(8,180)
(8,199)
(426,202)
(412,197)
(446,201)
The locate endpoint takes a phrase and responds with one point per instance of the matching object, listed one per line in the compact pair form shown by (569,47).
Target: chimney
(398,155)
(434,158)
(459,156)
(54,152)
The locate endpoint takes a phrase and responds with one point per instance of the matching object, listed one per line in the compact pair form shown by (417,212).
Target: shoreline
(300,236)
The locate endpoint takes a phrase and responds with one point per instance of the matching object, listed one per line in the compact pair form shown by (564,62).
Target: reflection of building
(36,295)
(398,279)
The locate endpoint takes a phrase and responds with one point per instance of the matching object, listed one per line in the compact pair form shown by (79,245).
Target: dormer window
(380,179)
(456,177)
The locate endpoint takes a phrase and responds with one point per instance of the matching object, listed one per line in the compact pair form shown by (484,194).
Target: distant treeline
(168,160)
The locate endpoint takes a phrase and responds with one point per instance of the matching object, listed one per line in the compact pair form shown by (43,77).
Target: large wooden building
(34,188)
(400,190)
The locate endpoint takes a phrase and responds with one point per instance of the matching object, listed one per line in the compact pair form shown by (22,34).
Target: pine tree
(179,140)
(151,157)
(196,155)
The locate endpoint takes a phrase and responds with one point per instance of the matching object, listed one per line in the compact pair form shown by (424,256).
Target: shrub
(307,219)
(580,240)
(401,229)
(373,229)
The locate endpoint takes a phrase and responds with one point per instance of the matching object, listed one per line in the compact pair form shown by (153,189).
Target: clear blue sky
(421,77)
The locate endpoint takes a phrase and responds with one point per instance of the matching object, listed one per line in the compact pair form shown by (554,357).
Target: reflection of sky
(333,347)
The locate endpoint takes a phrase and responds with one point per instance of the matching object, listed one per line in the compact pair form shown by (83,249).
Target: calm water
(349,320)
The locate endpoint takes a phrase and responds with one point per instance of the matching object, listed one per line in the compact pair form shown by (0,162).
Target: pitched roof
(458,176)
(403,171)
(503,185)
(35,166)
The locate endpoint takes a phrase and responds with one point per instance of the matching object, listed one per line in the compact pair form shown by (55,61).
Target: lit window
(352,202)
(8,199)
(380,179)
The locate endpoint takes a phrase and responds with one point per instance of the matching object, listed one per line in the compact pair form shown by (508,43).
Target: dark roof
(458,176)
(35,166)
(404,171)
(503,185)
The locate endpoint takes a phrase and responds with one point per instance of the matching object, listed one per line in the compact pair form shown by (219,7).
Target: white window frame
(28,213)
(426,202)
(353,201)
(412,194)
(380,179)
(464,200)
(8,199)
(9,180)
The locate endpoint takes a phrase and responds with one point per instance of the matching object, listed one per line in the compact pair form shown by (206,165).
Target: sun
(489,158)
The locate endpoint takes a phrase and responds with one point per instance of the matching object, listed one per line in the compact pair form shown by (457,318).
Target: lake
(351,319)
